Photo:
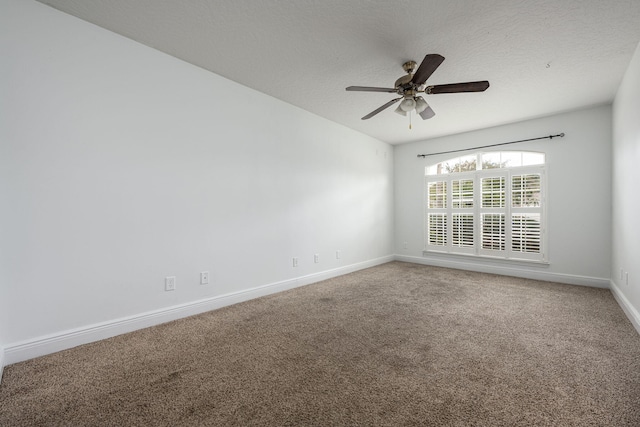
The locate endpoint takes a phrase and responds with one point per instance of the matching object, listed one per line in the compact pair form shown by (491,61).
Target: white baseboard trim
(528,273)
(41,346)
(626,306)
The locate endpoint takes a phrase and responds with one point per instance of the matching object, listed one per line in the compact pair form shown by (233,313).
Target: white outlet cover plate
(170,283)
(204,278)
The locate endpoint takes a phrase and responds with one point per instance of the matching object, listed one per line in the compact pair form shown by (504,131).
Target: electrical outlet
(295,261)
(405,245)
(170,283)
(626,277)
(338,254)
(204,278)
(316,258)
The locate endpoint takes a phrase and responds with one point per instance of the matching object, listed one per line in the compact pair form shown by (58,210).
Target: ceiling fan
(412,84)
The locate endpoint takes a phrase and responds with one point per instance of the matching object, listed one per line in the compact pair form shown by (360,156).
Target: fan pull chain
(410,120)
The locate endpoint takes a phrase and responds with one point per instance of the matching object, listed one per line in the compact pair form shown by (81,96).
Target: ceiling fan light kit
(410,85)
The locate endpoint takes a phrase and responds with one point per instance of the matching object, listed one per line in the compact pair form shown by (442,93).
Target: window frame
(478,211)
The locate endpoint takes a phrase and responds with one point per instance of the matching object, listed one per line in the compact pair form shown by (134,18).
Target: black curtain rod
(560,135)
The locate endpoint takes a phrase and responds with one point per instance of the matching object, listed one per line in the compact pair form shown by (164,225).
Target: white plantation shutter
(437,195)
(493,192)
(437,226)
(526,215)
(437,222)
(525,233)
(462,193)
(493,232)
(525,191)
(463,215)
(462,230)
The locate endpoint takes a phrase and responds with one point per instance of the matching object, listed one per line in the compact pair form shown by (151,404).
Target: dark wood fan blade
(427,114)
(458,87)
(377,110)
(370,89)
(429,64)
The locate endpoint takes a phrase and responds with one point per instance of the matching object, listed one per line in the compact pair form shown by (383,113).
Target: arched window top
(490,160)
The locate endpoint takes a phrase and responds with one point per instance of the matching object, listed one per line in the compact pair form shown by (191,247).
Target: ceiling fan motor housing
(405,82)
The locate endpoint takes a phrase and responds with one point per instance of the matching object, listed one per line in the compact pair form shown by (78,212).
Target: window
(487,204)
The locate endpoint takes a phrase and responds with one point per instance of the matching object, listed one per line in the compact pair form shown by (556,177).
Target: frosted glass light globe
(408,104)
(421,105)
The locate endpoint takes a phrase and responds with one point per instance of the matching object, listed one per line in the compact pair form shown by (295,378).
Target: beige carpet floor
(398,344)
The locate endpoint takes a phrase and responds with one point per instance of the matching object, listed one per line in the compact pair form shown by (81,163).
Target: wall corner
(629,310)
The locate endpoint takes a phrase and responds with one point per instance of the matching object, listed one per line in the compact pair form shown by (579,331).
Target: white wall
(578,168)
(120,165)
(626,192)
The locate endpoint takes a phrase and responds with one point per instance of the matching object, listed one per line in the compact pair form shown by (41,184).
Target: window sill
(497,260)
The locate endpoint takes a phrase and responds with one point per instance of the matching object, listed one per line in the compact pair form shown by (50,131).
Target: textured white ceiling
(541,57)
